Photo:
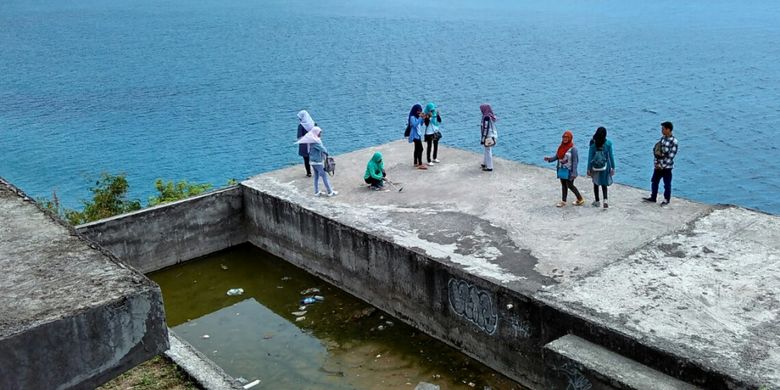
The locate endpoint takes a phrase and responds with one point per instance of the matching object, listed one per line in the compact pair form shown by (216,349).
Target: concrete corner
(73,316)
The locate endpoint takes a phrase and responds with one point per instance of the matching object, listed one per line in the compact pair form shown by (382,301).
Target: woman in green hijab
(432,133)
(375,172)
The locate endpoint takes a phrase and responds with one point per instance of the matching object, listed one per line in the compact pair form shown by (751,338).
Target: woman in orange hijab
(567,158)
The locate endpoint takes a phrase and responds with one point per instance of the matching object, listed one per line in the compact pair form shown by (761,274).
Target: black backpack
(408,129)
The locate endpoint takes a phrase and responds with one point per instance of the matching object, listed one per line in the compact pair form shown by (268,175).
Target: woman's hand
(588,173)
(547,159)
(612,172)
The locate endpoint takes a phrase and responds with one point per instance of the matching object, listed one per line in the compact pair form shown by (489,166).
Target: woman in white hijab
(306,124)
(317,155)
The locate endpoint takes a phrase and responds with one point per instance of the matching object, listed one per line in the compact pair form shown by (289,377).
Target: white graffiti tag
(473,303)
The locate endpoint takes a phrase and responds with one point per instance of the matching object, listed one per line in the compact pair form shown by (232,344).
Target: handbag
(563,172)
(436,135)
(490,141)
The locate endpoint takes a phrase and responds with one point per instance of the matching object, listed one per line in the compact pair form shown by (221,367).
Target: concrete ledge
(164,235)
(199,367)
(574,363)
(73,316)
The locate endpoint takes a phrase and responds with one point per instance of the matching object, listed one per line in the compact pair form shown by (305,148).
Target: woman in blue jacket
(416,118)
(317,155)
(601,164)
(567,158)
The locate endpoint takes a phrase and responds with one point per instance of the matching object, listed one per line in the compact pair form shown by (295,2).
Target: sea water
(208,90)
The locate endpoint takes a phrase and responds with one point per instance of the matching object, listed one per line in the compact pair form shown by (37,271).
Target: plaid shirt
(669,150)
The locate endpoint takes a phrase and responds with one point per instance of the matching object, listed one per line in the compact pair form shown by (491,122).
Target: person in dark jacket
(306,124)
(664,151)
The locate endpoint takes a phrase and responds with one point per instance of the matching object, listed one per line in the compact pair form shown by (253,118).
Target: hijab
(564,147)
(416,109)
(600,137)
(375,166)
(312,137)
(487,111)
(433,113)
(306,120)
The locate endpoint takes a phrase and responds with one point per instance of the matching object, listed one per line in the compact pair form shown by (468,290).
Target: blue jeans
(666,175)
(319,171)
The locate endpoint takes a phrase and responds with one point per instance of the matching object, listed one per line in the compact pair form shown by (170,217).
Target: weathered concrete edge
(591,327)
(154,340)
(200,368)
(107,337)
(571,359)
(167,234)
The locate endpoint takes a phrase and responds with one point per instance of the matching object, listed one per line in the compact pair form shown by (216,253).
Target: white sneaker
(318,193)
(436,160)
(333,193)
(430,163)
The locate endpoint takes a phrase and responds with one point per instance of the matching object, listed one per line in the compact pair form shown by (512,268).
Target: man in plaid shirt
(664,152)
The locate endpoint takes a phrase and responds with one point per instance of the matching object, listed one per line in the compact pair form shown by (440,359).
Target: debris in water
(224,267)
(472,384)
(309,291)
(302,308)
(235,291)
(299,319)
(279,286)
(267,336)
(426,386)
(358,314)
(286,278)
(509,306)
(389,323)
(299,313)
(205,336)
(379,356)
(252,384)
(310,300)
(380,327)
(242,380)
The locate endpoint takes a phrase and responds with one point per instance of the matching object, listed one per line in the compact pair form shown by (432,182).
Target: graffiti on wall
(521,329)
(577,381)
(474,304)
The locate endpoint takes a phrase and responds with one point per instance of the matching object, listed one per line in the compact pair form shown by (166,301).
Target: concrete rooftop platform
(694,281)
(72,315)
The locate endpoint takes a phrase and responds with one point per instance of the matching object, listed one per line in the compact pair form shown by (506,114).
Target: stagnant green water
(342,343)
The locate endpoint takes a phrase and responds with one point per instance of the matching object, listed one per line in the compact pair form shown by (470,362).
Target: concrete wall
(161,236)
(492,324)
(87,349)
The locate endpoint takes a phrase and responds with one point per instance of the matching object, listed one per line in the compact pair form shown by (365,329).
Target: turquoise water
(208,90)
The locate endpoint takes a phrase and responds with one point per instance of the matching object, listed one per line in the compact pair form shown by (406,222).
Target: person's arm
(591,153)
(611,159)
(575,159)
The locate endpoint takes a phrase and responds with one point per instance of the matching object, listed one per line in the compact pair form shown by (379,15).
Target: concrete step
(573,363)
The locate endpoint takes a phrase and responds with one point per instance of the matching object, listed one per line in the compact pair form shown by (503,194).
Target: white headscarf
(306,120)
(312,137)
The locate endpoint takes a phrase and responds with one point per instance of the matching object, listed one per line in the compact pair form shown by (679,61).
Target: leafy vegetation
(170,192)
(109,198)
